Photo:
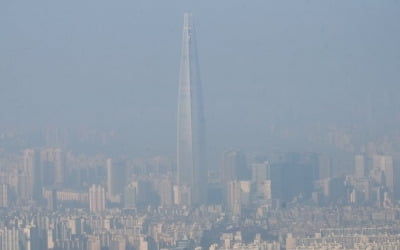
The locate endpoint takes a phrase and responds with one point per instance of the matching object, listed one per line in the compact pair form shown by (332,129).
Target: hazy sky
(115,64)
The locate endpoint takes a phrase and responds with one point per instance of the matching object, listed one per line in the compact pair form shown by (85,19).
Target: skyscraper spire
(192,170)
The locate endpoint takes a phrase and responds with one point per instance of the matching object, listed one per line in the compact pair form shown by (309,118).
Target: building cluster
(201,228)
(231,241)
(50,177)
(25,180)
(374,180)
(96,202)
(380,238)
(77,229)
(70,232)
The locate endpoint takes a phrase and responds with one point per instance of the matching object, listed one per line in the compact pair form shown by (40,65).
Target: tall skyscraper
(192,169)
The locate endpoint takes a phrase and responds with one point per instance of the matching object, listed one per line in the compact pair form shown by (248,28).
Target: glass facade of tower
(192,170)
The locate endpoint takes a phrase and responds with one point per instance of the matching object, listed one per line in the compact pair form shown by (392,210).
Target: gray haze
(264,65)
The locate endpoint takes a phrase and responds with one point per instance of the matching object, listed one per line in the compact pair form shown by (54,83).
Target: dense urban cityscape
(51,198)
(80,189)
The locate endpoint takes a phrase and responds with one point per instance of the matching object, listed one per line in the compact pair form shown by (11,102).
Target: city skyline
(104,143)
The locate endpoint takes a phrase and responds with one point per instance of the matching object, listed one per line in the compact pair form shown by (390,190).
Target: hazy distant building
(261,182)
(140,194)
(290,242)
(93,243)
(336,188)
(233,199)
(359,166)
(52,200)
(115,180)
(143,243)
(396,177)
(97,197)
(165,192)
(264,191)
(382,171)
(362,187)
(324,167)
(259,173)
(118,243)
(238,196)
(4,195)
(29,181)
(30,238)
(130,195)
(185,244)
(294,176)
(234,166)
(52,167)
(9,239)
(192,169)
(182,195)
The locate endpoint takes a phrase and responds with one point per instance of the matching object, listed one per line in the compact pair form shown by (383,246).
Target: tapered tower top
(186,21)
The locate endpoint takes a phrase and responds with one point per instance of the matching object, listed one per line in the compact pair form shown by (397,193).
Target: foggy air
(231,124)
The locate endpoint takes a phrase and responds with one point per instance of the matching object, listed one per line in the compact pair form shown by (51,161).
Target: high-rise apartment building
(97,199)
(115,180)
(259,173)
(29,181)
(192,169)
(324,166)
(261,182)
(130,195)
(234,166)
(52,167)
(93,243)
(30,238)
(165,192)
(359,166)
(3,195)
(238,196)
(118,243)
(182,195)
(9,239)
(382,170)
